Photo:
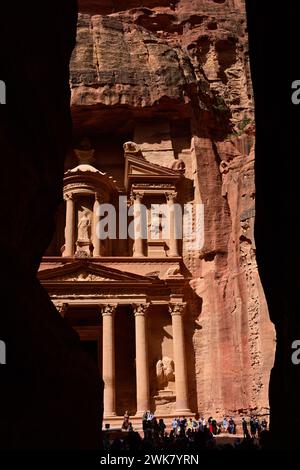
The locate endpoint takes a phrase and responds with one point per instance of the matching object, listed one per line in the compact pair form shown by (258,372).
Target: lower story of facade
(133,326)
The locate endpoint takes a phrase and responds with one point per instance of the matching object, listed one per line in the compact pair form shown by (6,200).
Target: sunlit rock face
(174,77)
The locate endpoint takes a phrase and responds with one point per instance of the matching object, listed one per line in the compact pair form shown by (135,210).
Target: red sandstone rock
(180,69)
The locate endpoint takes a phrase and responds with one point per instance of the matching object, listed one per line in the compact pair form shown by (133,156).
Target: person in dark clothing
(252,427)
(161,427)
(214,427)
(245,428)
(264,425)
(232,426)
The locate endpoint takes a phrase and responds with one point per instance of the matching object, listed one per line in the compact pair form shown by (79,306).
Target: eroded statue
(164,371)
(84,227)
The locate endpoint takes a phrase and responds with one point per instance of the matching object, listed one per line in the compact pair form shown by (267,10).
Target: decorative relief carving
(155,186)
(83,276)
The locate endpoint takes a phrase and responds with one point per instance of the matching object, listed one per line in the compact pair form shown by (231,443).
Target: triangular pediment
(139,167)
(88,271)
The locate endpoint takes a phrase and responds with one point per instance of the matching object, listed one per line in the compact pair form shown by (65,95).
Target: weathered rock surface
(174,77)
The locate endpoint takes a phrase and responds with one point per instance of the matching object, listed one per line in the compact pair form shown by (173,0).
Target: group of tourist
(185,426)
(187,435)
(256,427)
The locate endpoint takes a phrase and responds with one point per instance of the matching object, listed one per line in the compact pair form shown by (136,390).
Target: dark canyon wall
(50,393)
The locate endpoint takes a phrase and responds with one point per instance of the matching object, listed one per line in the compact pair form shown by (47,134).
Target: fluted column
(142,366)
(70,226)
(181,385)
(138,246)
(108,368)
(173,242)
(96,217)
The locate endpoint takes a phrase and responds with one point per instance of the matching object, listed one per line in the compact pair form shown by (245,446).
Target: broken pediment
(138,169)
(84,271)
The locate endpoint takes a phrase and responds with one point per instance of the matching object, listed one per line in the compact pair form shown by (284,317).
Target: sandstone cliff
(174,77)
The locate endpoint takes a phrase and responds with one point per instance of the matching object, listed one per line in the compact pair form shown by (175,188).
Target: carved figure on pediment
(174,271)
(178,165)
(132,148)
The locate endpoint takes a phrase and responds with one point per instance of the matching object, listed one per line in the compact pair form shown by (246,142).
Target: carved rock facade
(162,90)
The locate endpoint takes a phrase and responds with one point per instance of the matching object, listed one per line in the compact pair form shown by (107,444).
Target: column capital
(140,309)
(171,196)
(68,196)
(108,309)
(136,196)
(177,309)
(62,308)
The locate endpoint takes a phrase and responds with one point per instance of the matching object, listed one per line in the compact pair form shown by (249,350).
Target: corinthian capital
(62,308)
(140,309)
(68,196)
(108,309)
(171,196)
(177,309)
(136,196)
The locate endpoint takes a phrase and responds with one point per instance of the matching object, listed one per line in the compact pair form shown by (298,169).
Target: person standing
(245,428)
(161,427)
(264,425)
(225,424)
(252,427)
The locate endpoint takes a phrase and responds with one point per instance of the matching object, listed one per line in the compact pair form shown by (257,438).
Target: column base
(109,415)
(182,412)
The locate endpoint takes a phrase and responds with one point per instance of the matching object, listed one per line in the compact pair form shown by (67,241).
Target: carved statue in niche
(84,227)
(85,154)
(84,244)
(133,149)
(164,372)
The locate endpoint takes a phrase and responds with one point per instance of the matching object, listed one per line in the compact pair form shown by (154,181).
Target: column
(176,311)
(108,357)
(138,246)
(142,366)
(173,229)
(96,239)
(70,225)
